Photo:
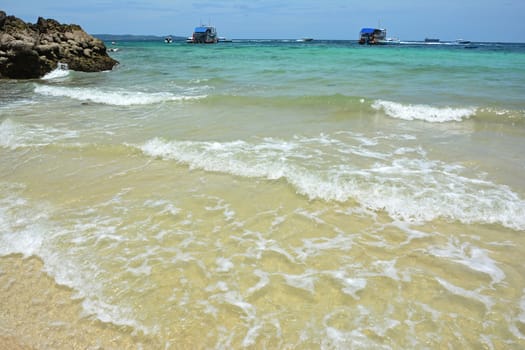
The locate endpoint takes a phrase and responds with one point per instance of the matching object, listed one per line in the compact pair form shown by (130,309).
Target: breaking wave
(61,71)
(115,98)
(14,135)
(404,183)
(423,112)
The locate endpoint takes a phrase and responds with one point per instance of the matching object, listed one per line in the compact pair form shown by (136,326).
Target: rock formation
(32,50)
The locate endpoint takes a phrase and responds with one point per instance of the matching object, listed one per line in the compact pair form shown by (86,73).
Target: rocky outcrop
(32,50)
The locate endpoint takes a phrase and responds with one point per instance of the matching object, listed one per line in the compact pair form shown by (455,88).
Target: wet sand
(39,314)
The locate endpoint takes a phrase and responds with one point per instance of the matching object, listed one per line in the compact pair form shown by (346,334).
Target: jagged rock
(32,50)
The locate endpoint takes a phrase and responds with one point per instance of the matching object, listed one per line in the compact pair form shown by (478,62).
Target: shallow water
(268,195)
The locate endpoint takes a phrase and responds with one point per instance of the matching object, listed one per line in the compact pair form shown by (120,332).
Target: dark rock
(32,50)
(23,65)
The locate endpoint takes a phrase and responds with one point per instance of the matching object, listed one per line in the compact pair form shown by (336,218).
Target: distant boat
(375,36)
(168,40)
(204,35)
(462,41)
(304,40)
(431,40)
(389,41)
(225,40)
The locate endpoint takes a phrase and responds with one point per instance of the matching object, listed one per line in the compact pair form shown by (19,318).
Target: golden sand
(39,314)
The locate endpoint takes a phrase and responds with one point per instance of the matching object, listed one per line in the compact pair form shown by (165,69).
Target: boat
(204,35)
(389,41)
(168,39)
(372,36)
(225,40)
(462,41)
(304,40)
(431,40)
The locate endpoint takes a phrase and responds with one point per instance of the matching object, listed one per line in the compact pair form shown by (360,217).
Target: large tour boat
(372,36)
(204,35)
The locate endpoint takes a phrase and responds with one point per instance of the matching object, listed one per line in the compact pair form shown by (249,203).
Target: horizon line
(296,38)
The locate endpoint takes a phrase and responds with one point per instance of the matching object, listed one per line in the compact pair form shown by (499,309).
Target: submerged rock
(32,50)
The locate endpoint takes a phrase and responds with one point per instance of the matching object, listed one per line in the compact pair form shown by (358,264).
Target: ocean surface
(267,195)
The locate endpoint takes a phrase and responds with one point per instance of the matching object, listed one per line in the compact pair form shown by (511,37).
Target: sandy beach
(38,314)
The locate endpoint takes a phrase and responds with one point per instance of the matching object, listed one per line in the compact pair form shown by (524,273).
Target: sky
(475,20)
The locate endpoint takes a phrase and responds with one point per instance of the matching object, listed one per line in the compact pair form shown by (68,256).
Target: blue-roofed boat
(373,36)
(204,35)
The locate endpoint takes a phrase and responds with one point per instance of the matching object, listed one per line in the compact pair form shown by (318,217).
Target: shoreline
(39,314)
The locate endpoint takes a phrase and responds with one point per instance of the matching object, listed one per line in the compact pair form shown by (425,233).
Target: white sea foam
(114,314)
(521,317)
(27,228)
(219,286)
(8,105)
(357,332)
(10,134)
(468,294)
(14,135)
(423,112)
(61,71)
(409,187)
(350,285)
(228,213)
(411,232)
(235,299)
(315,247)
(142,270)
(165,207)
(22,228)
(387,269)
(305,281)
(516,323)
(264,280)
(224,265)
(115,98)
(470,256)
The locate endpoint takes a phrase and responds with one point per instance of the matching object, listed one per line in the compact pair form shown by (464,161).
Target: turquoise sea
(267,195)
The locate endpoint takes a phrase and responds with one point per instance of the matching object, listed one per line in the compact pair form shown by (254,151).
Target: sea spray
(61,71)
